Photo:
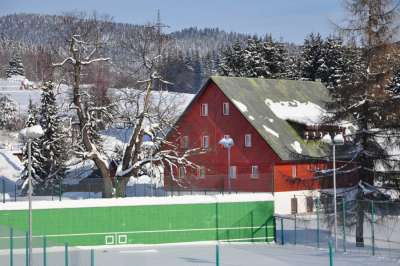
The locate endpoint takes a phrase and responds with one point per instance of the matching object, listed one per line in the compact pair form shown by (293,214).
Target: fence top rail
(140,201)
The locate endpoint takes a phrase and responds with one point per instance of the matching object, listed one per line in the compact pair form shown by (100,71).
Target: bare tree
(133,156)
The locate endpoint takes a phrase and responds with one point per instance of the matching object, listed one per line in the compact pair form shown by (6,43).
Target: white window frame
(181,172)
(294,171)
(204,109)
(201,172)
(205,142)
(233,172)
(247,140)
(185,142)
(254,171)
(225,108)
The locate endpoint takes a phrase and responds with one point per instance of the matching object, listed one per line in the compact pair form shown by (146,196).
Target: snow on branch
(101,59)
(69,59)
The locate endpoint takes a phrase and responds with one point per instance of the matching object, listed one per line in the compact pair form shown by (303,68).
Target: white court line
(146,231)
(138,251)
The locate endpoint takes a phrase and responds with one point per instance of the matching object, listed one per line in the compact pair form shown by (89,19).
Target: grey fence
(377,222)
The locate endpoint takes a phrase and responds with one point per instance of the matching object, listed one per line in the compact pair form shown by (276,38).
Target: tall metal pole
(229,168)
(30,198)
(334,193)
(151,173)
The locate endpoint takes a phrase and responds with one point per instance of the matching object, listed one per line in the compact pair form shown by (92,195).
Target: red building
(275,126)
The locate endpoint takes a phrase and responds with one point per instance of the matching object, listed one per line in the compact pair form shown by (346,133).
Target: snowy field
(231,254)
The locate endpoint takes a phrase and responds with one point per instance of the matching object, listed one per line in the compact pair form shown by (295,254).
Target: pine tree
(8,112)
(265,59)
(363,97)
(394,85)
(36,156)
(15,67)
(53,144)
(312,57)
(332,69)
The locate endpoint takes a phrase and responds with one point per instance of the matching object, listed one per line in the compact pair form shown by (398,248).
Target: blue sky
(289,19)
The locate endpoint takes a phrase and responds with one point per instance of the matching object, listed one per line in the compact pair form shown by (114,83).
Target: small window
(232,171)
(205,142)
(225,108)
(185,142)
(182,172)
(201,172)
(310,204)
(247,140)
(254,171)
(204,109)
(293,203)
(294,170)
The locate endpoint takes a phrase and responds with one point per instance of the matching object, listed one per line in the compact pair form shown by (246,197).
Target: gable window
(182,172)
(232,171)
(205,142)
(225,108)
(201,172)
(185,142)
(294,170)
(204,109)
(247,140)
(254,171)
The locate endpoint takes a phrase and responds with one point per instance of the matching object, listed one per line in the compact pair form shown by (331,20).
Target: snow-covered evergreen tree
(53,144)
(257,58)
(332,69)
(37,158)
(8,111)
(312,57)
(15,67)
(394,85)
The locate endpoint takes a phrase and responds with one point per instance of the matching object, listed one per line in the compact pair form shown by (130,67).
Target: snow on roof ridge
(139,201)
(307,113)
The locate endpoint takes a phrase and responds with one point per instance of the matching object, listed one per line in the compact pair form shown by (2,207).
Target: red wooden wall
(216,125)
(274,174)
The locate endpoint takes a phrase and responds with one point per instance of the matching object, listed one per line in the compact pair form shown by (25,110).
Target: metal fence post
(274,228)
(330,253)
(318,206)
(282,237)
(252,225)
(92,257)
(295,229)
(60,189)
(66,254)
(3,182)
(217,255)
(216,221)
(11,247)
(26,248)
(372,227)
(344,223)
(44,251)
(266,230)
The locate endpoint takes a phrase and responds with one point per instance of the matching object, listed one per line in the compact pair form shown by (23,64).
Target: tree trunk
(107,187)
(121,187)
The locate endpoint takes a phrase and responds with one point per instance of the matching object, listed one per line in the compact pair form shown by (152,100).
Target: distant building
(276,128)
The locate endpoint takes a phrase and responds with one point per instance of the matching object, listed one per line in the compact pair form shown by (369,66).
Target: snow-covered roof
(269,105)
(10,166)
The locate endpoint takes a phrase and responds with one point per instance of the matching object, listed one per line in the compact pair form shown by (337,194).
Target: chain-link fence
(365,226)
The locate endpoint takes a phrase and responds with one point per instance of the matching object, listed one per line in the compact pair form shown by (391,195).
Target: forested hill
(193,55)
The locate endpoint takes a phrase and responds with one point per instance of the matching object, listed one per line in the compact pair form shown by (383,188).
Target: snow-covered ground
(184,254)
